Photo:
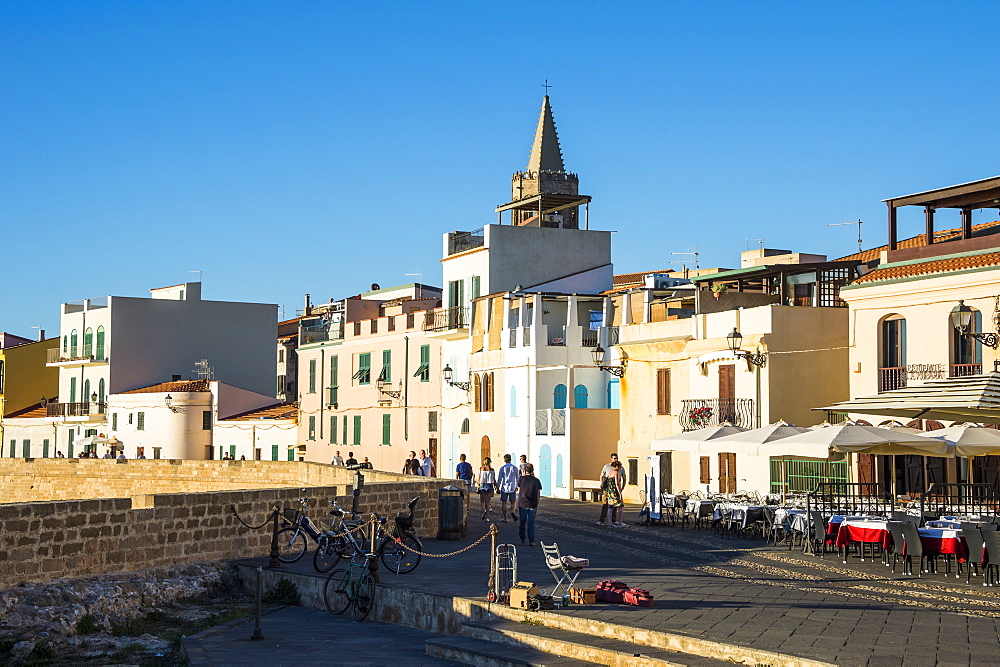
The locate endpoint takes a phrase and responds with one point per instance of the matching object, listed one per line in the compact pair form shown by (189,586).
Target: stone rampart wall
(69,538)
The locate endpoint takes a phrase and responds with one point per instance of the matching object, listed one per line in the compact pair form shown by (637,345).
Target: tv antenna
(198,271)
(858,223)
(684,262)
(203,370)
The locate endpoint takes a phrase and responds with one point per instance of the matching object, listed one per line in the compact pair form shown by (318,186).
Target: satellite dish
(376,286)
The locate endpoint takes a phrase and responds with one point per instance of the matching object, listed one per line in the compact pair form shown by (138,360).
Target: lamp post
(735,340)
(382,384)
(598,355)
(448,374)
(961,320)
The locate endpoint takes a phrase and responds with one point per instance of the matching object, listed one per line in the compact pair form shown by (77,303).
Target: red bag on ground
(611,590)
(638,596)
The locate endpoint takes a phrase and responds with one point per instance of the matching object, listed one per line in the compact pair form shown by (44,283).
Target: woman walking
(613,485)
(487,486)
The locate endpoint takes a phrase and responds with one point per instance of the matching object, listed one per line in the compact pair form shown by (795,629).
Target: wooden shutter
(477,392)
(866,471)
(705,477)
(727,472)
(489,392)
(727,381)
(732,472)
(663,391)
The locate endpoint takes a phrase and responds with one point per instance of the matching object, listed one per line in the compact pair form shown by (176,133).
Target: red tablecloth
(849,532)
(945,545)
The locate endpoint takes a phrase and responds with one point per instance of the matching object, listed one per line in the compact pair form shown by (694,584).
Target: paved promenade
(741,592)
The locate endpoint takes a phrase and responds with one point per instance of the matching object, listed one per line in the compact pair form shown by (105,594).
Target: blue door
(545,469)
(614,394)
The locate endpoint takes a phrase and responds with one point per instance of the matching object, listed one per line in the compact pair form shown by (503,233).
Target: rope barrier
(266,521)
(492,531)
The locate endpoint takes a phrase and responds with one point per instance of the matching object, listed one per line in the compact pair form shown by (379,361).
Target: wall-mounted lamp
(169,401)
(449,374)
(961,320)
(735,339)
(617,371)
(93,397)
(382,384)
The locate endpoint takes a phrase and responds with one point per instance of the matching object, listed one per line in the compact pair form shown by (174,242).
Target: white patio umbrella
(970,440)
(691,441)
(756,442)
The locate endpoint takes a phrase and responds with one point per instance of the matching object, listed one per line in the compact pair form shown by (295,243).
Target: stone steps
(483,653)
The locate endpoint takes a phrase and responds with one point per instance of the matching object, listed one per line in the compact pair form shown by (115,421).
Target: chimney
(307,310)
(41,334)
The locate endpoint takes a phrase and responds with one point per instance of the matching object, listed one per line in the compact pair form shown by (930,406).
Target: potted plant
(718,289)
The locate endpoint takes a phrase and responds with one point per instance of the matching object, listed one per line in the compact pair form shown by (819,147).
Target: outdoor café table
(742,515)
(792,518)
(944,524)
(943,541)
(865,531)
(701,509)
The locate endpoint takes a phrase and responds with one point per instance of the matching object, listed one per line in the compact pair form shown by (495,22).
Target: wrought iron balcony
(76,355)
(891,378)
(462,241)
(443,319)
(700,412)
(85,409)
(965,370)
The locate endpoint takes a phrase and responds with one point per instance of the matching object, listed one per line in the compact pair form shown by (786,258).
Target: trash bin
(452,524)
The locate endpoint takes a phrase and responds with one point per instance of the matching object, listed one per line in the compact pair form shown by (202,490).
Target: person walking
(612,486)
(487,486)
(522,461)
(605,471)
(529,489)
(426,464)
(463,473)
(412,465)
(507,478)
(351,461)
(338,460)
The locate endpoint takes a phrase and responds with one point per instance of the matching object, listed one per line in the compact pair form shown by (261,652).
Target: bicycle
(398,548)
(342,590)
(292,543)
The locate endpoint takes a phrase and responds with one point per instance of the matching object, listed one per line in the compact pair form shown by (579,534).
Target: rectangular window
(364,373)
(632,479)
(45,448)
(26,448)
(475,287)
(312,376)
(424,369)
(13,448)
(386,429)
(663,391)
(232,451)
(114,421)
(333,430)
(206,420)
(386,374)
(343,430)
(69,440)
(140,421)
(432,421)
(274,452)
(357,429)
(1,376)
(72,390)
(703,472)
(130,419)
(156,452)
(312,427)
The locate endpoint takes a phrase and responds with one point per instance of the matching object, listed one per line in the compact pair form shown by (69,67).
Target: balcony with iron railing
(87,409)
(701,412)
(76,356)
(550,421)
(462,241)
(445,319)
(891,378)
(965,370)
(331,398)
(321,333)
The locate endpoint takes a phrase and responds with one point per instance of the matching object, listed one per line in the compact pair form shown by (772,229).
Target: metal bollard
(258,634)
(274,543)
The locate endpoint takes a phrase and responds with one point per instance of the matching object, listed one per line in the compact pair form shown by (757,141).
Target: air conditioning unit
(552,217)
(662,281)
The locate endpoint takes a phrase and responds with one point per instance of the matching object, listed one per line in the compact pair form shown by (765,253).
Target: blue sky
(292,147)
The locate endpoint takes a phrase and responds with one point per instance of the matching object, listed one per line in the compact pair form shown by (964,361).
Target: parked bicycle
(292,539)
(398,548)
(353,585)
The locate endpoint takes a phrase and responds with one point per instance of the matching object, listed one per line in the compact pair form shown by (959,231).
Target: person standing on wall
(507,478)
(529,489)
(463,472)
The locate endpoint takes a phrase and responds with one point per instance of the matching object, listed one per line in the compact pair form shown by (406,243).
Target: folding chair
(565,569)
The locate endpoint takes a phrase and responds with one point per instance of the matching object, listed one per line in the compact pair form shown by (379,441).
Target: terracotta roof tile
(181,387)
(279,411)
(917,241)
(930,267)
(622,279)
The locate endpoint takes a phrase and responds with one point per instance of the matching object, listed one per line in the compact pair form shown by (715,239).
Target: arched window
(580,396)
(100,343)
(101,391)
(88,342)
(513,401)
(614,394)
(465,425)
(966,351)
(892,353)
(487,392)
(65,344)
(73,346)
(559,470)
(559,397)
(477,392)
(86,390)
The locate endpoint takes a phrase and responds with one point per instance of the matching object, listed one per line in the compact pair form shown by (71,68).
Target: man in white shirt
(338,460)
(507,478)
(426,464)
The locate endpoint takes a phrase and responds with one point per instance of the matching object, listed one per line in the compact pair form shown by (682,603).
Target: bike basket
(291,515)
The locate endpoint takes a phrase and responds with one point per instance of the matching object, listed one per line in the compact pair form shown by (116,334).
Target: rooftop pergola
(964,197)
(547,203)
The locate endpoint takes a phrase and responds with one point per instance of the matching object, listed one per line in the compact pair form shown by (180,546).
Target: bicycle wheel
(327,554)
(364,597)
(336,591)
(396,558)
(291,544)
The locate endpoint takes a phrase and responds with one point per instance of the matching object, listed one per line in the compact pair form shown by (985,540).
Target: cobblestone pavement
(741,592)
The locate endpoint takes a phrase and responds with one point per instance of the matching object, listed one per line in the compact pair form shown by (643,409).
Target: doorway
(666,484)
(484,448)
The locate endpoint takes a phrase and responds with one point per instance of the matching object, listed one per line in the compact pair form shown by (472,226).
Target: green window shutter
(387,365)
(69,448)
(206,420)
(312,428)
(222,452)
(26,448)
(114,421)
(291,454)
(232,451)
(333,429)
(100,343)
(475,287)
(312,376)
(141,421)
(364,374)
(357,429)
(425,363)
(13,448)
(274,452)
(72,390)
(45,448)
(344,431)
(386,428)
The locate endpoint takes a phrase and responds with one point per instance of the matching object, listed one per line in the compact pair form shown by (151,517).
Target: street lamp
(382,384)
(961,320)
(448,374)
(598,354)
(169,401)
(735,340)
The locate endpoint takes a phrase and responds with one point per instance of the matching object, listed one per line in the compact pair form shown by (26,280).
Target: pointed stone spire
(545,152)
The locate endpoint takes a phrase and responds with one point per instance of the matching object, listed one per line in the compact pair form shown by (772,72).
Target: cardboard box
(520,592)
(583,595)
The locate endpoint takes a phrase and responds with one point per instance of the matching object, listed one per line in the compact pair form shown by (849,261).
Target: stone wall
(28,480)
(45,540)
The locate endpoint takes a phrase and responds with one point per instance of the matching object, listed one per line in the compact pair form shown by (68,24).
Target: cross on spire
(546,86)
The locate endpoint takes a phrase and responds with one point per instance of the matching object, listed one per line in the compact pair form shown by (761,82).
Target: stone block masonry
(68,538)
